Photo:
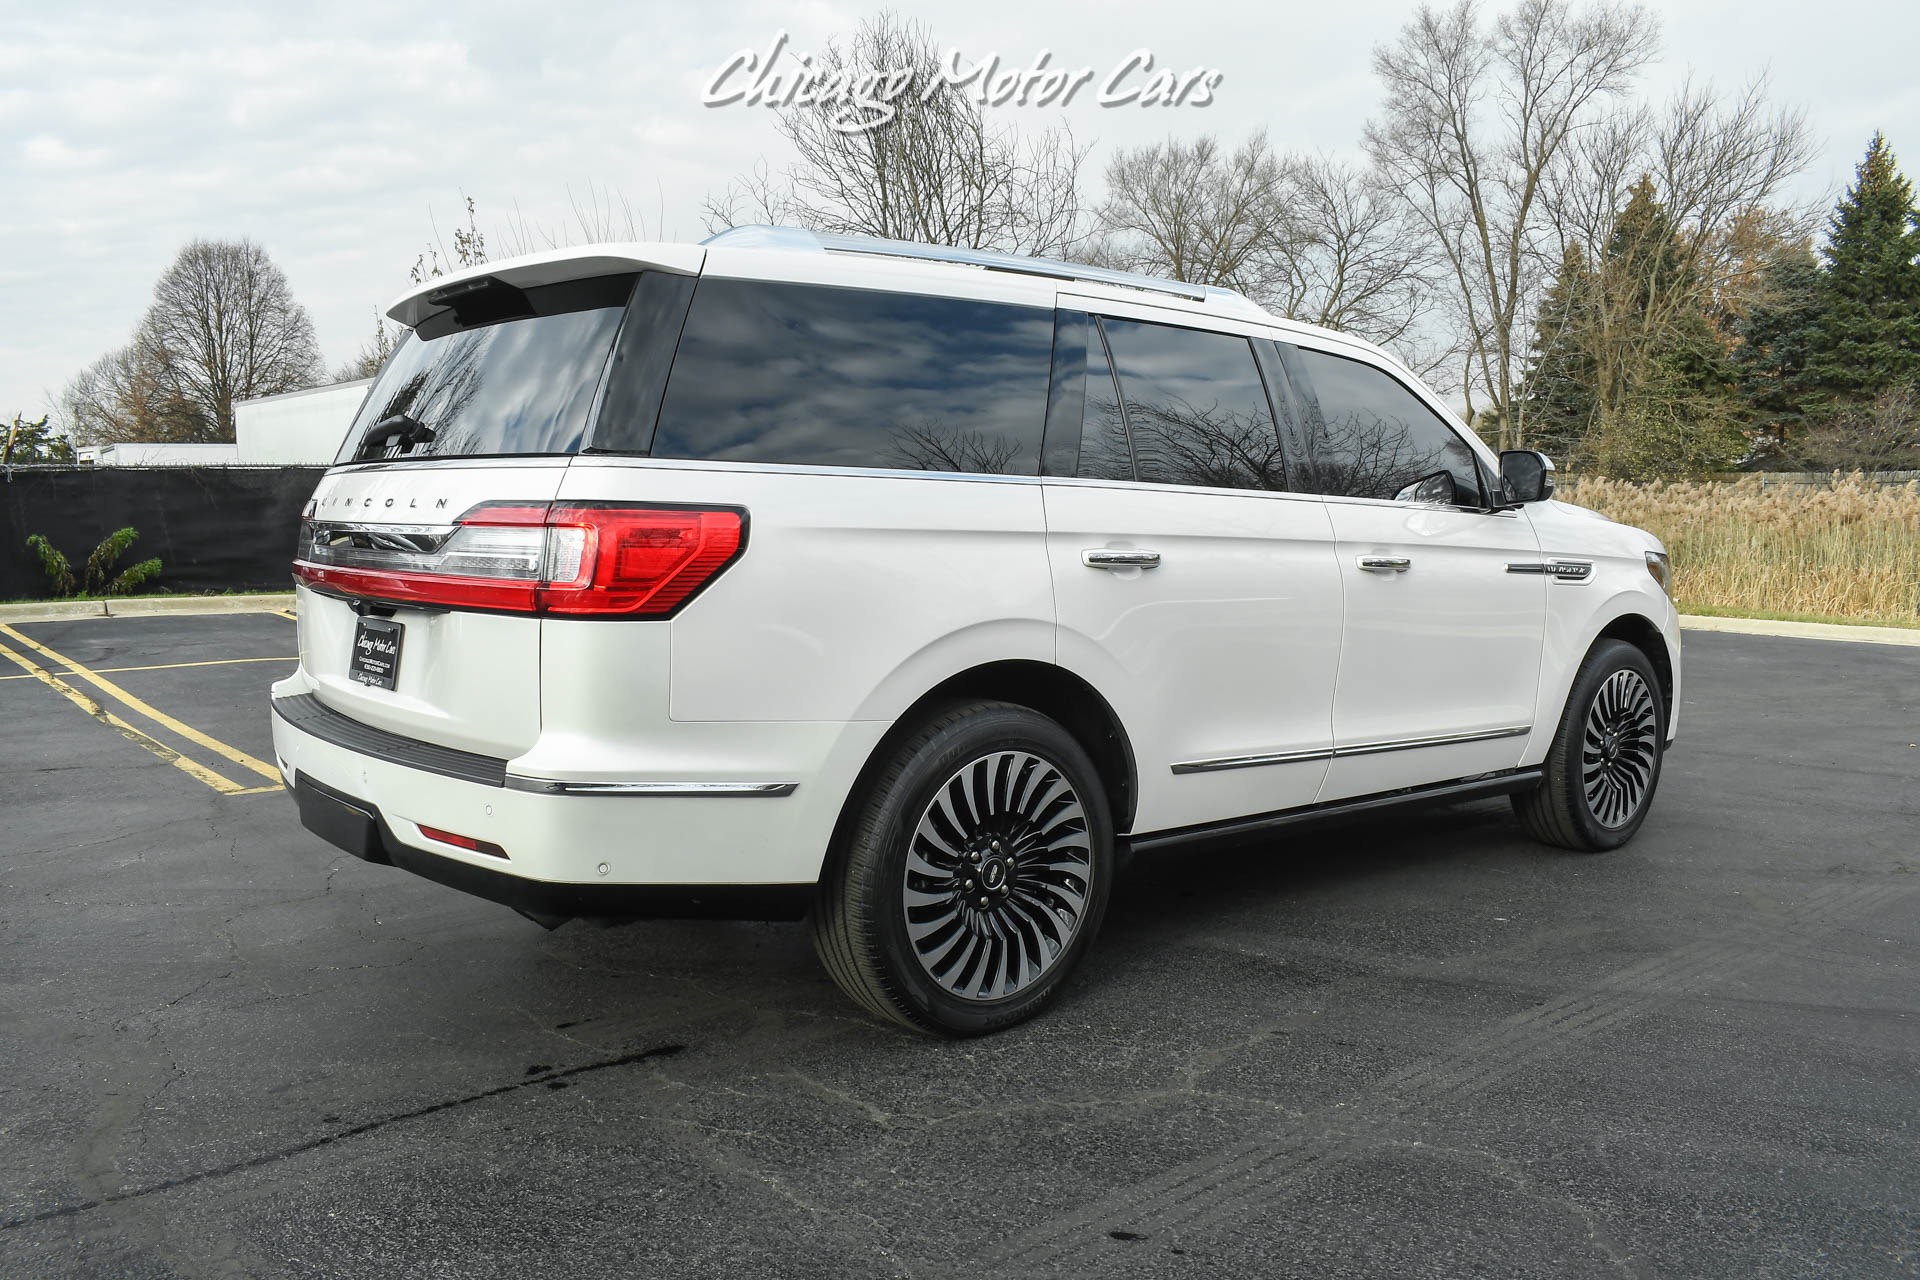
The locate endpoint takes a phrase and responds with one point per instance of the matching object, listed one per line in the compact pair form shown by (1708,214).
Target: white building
(157,455)
(299,428)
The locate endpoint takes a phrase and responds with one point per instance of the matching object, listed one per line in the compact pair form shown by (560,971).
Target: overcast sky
(336,134)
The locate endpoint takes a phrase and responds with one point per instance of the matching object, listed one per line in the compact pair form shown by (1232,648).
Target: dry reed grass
(1848,550)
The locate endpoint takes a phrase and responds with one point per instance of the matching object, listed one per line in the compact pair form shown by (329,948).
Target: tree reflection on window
(1375,438)
(1196,410)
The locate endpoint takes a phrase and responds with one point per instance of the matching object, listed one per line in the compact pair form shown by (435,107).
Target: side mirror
(1526,475)
(1437,489)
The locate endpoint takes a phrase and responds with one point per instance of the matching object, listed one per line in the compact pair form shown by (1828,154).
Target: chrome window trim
(638,461)
(1355,749)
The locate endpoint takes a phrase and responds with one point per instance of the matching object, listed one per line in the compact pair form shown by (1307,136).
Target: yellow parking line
(192,768)
(159,717)
(173,666)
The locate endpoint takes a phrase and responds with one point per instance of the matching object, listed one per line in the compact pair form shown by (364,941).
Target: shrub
(98,578)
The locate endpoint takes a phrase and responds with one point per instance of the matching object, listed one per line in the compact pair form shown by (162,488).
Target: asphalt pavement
(1415,1046)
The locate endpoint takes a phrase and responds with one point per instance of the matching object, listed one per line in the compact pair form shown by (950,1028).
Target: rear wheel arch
(1051,690)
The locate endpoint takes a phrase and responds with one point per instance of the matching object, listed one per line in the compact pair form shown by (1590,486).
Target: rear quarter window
(817,376)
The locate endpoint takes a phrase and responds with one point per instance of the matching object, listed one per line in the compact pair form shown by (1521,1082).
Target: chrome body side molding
(1351,749)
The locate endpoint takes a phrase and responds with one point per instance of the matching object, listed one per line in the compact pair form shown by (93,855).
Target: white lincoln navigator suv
(908,588)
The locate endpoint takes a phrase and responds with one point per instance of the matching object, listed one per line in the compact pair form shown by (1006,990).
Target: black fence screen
(213,528)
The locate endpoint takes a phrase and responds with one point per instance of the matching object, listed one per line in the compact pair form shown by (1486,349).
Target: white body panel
(1225,650)
(1448,647)
(1256,668)
(858,593)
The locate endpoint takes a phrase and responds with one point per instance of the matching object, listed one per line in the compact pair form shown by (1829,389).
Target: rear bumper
(359,828)
(650,846)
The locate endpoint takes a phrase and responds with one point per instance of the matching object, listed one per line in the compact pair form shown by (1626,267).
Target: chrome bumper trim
(556,787)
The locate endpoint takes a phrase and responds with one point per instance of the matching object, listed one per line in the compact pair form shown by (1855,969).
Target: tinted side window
(1374,437)
(1196,409)
(857,378)
(1105,453)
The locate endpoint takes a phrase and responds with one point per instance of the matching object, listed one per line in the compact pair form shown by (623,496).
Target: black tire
(1604,765)
(896,876)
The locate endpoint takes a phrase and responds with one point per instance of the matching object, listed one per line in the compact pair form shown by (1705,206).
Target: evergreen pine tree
(1777,337)
(1557,401)
(1869,337)
(1663,381)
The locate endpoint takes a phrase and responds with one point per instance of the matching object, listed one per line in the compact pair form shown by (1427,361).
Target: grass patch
(1848,552)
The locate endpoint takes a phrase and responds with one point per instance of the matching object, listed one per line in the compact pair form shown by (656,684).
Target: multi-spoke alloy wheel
(1618,748)
(997,875)
(1604,762)
(971,874)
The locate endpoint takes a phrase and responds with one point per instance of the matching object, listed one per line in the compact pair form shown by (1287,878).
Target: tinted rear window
(1196,407)
(522,385)
(819,376)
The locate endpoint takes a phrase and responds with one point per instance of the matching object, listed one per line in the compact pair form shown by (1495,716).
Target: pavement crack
(313,1144)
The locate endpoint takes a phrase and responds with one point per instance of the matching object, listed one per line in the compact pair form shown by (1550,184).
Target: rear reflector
(463,842)
(567,559)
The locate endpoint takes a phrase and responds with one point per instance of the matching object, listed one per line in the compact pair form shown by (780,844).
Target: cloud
(338,134)
(47,152)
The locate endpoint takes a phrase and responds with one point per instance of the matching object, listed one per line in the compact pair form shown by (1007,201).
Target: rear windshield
(500,371)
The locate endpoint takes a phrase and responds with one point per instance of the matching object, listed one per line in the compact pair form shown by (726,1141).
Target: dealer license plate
(376,652)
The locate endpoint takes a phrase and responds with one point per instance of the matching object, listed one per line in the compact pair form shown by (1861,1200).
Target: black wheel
(1604,765)
(973,876)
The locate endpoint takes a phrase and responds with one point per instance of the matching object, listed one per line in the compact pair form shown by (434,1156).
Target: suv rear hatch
(424,552)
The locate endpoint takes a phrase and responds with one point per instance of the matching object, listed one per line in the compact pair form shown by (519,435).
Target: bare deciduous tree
(373,353)
(937,172)
(226,327)
(1357,262)
(223,326)
(1187,210)
(1306,236)
(126,395)
(1474,120)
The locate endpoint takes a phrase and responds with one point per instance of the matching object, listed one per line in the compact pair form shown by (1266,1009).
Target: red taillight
(570,559)
(459,841)
(645,560)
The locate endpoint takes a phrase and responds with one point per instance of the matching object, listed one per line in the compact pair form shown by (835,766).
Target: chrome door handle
(1385,564)
(1117,558)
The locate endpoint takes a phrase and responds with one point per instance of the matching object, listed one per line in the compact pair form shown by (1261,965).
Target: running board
(1478,788)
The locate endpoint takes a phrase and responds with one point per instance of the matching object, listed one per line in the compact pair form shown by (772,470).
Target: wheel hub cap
(997,875)
(1619,749)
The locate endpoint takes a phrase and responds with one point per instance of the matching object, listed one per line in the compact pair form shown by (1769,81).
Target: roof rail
(765,237)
